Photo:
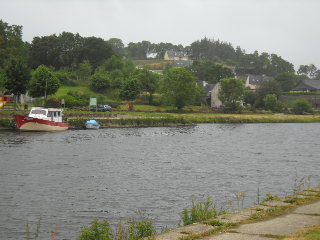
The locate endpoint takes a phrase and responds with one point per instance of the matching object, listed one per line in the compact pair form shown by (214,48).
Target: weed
(240,199)
(216,223)
(97,230)
(140,229)
(35,234)
(200,212)
(270,197)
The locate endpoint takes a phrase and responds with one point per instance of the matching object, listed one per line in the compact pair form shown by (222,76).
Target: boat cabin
(50,114)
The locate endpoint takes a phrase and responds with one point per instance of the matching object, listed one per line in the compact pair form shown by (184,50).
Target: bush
(302,106)
(272,103)
(53,102)
(71,101)
(97,231)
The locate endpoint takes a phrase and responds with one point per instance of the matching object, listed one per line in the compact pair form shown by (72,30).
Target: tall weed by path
(200,212)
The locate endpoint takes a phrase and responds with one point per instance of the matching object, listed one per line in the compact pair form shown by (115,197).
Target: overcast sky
(289,28)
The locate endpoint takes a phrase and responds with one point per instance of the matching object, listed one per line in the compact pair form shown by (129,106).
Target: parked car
(101,108)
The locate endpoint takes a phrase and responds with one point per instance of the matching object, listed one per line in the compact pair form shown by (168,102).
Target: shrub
(53,102)
(72,101)
(272,103)
(97,231)
(302,106)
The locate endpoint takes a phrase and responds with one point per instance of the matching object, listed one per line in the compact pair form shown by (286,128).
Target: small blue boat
(92,124)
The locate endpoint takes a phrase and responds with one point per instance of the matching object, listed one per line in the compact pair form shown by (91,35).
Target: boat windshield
(38,111)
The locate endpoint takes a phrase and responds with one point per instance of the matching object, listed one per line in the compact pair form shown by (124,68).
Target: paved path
(295,220)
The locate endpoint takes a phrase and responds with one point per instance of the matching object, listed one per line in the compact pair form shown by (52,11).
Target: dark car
(101,108)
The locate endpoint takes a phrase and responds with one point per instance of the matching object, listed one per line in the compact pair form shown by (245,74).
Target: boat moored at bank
(42,119)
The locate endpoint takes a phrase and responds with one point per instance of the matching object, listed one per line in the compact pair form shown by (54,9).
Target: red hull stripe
(23,119)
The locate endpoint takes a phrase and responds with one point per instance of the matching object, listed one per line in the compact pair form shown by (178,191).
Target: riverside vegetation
(150,118)
(206,212)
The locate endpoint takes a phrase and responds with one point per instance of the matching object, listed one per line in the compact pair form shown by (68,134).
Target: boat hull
(92,126)
(25,123)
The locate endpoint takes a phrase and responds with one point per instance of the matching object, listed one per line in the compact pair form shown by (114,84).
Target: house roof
(182,63)
(257,79)
(307,84)
(208,88)
(173,54)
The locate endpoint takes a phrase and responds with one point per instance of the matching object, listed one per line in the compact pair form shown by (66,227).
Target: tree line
(67,59)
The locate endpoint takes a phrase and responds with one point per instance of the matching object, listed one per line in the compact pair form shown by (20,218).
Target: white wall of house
(215,101)
(251,86)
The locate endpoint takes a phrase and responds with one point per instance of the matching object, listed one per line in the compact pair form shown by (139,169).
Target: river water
(70,178)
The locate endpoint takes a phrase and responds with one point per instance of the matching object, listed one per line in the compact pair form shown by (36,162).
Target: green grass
(63,90)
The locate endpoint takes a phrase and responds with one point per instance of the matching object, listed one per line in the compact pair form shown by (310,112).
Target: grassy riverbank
(149,119)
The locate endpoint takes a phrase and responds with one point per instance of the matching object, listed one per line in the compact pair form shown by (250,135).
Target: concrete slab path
(295,220)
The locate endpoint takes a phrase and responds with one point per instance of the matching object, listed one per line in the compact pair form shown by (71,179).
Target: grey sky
(289,28)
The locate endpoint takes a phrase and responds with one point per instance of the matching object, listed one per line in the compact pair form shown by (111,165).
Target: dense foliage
(232,94)
(302,106)
(43,82)
(179,87)
(107,67)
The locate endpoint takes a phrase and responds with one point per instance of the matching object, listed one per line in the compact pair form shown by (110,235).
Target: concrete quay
(266,221)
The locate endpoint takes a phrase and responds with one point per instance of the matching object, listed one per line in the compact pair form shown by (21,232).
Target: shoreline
(142,119)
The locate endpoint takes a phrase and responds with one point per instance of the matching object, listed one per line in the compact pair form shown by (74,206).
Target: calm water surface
(69,179)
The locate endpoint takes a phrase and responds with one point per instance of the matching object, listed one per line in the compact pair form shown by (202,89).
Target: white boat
(42,119)
(92,124)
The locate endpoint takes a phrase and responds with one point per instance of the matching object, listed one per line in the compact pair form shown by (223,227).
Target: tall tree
(179,87)
(309,71)
(95,50)
(17,76)
(287,80)
(149,81)
(117,46)
(45,50)
(210,72)
(43,82)
(11,44)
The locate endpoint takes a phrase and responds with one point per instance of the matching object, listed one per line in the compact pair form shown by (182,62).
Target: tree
(11,44)
(149,81)
(250,97)
(97,231)
(117,46)
(231,94)
(310,71)
(84,71)
(43,82)
(131,88)
(179,87)
(95,50)
(45,51)
(17,76)
(269,86)
(210,72)
(100,81)
(287,80)
(113,63)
